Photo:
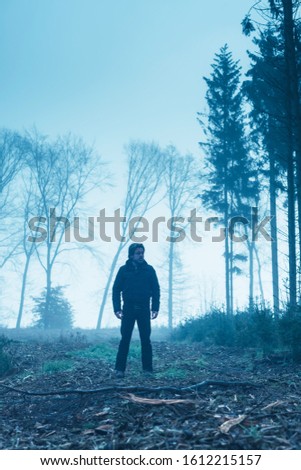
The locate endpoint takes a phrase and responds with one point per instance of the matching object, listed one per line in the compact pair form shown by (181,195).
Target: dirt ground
(263,413)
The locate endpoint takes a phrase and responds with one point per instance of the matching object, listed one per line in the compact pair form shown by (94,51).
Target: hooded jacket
(137,284)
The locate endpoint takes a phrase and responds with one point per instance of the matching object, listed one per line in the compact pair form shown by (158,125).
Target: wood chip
(227,425)
(272,405)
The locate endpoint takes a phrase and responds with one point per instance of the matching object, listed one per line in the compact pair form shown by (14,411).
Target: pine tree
(284,16)
(231,179)
(59,312)
(265,90)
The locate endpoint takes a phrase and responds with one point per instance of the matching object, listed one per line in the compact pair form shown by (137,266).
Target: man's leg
(144,326)
(127,326)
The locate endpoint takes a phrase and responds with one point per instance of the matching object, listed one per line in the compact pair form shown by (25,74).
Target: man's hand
(154,315)
(119,314)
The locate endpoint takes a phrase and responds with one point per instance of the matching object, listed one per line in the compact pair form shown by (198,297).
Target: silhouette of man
(138,283)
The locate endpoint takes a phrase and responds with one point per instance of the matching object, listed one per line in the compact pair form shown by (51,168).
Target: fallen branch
(156,401)
(137,388)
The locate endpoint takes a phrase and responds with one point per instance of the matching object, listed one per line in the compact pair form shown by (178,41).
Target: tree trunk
(291,230)
(274,235)
(251,275)
(49,265)
(231,274)
(291,194)
(23,288)
(290,42)
(47,320)
(170,284)
(259,276)
(227,255)
(107,287)
(227,271)
(289,54)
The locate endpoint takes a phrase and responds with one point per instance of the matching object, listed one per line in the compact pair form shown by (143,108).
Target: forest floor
(257,405)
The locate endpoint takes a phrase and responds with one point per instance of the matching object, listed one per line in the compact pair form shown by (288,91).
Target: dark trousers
(130,316)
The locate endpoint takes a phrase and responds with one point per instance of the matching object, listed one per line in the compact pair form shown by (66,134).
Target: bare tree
(31,205)
(145,170)
(180,180)
(64,173)
(12,152)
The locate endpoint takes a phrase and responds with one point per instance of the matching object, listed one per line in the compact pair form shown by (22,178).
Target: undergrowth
(5,360)
(257,328)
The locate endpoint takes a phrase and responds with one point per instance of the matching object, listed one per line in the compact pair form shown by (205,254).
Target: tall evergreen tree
(293,107)
(230,178)
(283,15)
(265,90)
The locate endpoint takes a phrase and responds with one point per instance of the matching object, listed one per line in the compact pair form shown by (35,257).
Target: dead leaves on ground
(211,418)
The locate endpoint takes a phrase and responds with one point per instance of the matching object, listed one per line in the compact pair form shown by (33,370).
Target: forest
(226,366)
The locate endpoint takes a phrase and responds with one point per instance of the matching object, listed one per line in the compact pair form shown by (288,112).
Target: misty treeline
(252,145)
(46,190)
(249,167)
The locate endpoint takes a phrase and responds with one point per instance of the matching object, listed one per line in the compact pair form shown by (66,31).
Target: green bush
(5,361)
(290,331)
(54,312)
(243,329)
(256,328)
(213,328)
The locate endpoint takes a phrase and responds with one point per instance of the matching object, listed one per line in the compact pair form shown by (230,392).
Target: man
(138,283)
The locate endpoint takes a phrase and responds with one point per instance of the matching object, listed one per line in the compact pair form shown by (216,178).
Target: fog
(108,73)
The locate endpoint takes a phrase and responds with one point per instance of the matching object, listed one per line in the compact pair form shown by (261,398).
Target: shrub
(57,313)
(213,328)
(290,331)
(256,328)
(5,361)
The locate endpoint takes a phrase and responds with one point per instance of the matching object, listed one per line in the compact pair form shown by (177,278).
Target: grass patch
(51,367)
(107,352)
(172,373)
(135,351)
(181,369)
(103,351)
(201,362)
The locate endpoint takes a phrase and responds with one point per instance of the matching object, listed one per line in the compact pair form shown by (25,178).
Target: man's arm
(155,294)
(116,293)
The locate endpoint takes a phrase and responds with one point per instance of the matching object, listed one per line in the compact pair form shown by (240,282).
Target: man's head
(136,252)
